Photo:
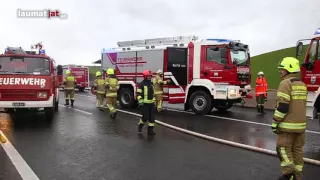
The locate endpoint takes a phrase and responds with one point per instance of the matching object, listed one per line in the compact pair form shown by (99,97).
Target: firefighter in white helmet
(261,91)
(158,88)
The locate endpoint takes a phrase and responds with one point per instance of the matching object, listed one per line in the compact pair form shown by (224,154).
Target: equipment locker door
(178,73)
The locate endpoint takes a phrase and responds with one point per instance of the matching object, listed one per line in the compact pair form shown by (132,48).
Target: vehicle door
(310,70)
(214,64)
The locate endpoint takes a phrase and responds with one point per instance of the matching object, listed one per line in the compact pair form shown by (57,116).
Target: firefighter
(69,83)
(112,87)
(100,91)
(261,92)
(289,120)
(158,88)
(2,138)
(147,100)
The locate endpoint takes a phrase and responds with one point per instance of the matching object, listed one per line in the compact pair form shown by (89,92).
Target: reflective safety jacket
(112,86)
(146,92)
(69,82)
(158,84)
(99,86)
(291,100)
(261,86)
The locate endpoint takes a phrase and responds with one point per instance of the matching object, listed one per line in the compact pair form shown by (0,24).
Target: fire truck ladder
(158,41)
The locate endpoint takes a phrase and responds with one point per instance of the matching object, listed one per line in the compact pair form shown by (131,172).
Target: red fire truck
(81,74)
(28,81)
(205,74)
(310,72)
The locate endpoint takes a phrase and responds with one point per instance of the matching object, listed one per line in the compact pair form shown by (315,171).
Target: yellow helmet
(290,64)
(68,72)
(98,73)
(110,71)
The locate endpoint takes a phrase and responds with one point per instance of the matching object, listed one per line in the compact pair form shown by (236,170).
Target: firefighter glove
(275,127)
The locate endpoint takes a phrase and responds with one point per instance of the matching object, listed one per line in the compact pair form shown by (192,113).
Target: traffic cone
(3,139)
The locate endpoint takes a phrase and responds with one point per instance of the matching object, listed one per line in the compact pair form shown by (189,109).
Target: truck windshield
(239,57)
(24,65)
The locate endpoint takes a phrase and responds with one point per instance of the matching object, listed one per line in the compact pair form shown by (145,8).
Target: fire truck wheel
(49,112)
(126,98)
(56,105)
(200,102)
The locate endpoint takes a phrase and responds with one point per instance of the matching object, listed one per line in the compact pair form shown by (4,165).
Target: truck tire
(49,113)
(56,105)
(81,89)
(126,98)
(200,102)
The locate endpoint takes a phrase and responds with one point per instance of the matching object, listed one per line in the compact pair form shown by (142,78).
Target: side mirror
(59,70)
(299,49)
(223,53)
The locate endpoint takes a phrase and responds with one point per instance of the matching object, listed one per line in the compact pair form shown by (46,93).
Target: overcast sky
(92,25)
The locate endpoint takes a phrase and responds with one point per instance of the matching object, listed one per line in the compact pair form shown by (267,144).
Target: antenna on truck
(159,41)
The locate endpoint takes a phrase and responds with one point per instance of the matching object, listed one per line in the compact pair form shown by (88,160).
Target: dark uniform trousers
(146,96)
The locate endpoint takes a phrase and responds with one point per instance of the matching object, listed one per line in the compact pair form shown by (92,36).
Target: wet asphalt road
(80,145)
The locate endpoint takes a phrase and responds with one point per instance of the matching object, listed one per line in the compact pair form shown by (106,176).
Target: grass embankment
(268,63)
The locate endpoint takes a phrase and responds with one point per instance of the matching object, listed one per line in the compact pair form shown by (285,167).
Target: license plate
(18,104)
(221,93)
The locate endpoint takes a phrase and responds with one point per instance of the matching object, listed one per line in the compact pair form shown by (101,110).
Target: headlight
(232,91)
(42,95)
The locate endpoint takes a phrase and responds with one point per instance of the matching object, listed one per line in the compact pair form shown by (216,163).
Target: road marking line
(79,110)
(235,144)
(85,95)
(21,165)
(230,119)
(237,120)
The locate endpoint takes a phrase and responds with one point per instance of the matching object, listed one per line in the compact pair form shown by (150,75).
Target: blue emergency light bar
(220,40)
(317,32)
(108,50)
(42,51)
(6,50)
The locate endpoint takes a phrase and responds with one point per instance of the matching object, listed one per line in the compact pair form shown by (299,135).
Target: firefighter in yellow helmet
(69,83)
(112,87)
(2,138)
(158,89)
(100,91)
(289,120)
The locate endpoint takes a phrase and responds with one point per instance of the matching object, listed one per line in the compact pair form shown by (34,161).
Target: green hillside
(268,63)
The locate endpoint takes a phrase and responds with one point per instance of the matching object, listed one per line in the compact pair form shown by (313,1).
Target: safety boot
(262,110)
(290,176)
(72,101)
(67,102)
(140,126)
(258,109)
(113,115)
(150,131)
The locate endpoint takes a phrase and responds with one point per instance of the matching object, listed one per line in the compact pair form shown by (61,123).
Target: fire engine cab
(204,73)
(28,81)
(310,72)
